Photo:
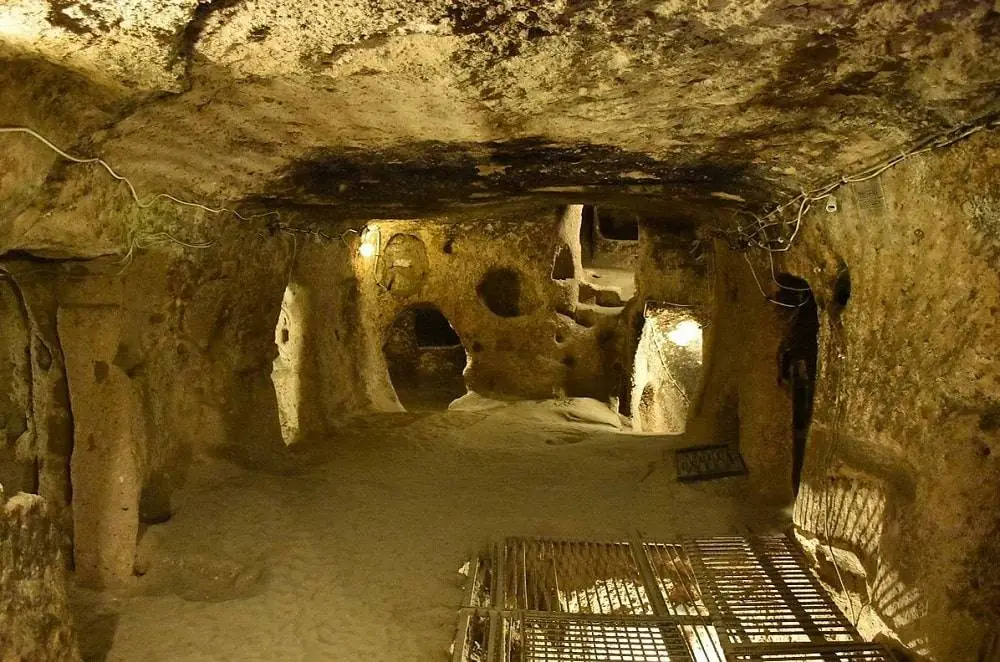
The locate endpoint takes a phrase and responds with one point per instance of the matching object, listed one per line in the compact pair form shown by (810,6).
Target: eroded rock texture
(35,622)
(341,102)
(905,427)
(390,157)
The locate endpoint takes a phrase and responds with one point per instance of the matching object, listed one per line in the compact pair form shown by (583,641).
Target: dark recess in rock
(422,177)
(617,224)
(989,420)
(563,268)
(842,288)
(433,330)
(500,291)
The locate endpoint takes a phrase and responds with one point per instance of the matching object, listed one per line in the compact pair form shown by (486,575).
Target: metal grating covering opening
(566,638)
(869,197)
(765,594)
(710,600)
(573,577)
(708,462)
(843,653)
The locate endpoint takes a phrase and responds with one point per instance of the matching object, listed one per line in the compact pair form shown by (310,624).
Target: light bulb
(685,333)
(366,250)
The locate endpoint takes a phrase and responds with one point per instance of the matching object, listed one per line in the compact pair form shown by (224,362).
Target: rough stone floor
(354,554)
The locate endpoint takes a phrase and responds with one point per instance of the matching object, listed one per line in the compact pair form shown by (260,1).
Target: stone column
(106,429)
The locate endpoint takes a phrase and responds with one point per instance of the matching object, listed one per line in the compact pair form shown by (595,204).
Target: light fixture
(685,333)
(369,242)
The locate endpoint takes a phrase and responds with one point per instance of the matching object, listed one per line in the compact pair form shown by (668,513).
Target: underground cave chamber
(488,358)
(487,333)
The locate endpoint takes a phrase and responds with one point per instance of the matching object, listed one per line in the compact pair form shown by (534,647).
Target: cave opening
(432,329)
(426,359)
(797,358)
(501,332)
(667,370)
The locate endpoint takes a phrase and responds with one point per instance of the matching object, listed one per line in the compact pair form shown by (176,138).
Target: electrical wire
(827,466)
(822,192)
(128,183)
(135,241)
(774,277)
(759,237)
(761,287)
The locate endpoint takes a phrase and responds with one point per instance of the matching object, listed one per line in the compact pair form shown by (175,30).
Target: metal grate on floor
(711,600)
(841,653)
(708,462)
(764,593)
(567,638)
(572,577)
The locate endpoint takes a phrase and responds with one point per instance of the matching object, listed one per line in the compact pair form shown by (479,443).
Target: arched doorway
(426,359)
(797,360)
(667,370)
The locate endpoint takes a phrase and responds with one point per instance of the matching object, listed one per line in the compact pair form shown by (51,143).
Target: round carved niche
(402,266)
(501,290)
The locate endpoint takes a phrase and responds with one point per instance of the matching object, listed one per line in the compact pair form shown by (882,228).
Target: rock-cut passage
(426,359)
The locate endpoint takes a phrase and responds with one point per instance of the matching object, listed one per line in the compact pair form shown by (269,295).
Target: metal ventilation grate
(708,462)
(841,653)
(869,196)
(712,600)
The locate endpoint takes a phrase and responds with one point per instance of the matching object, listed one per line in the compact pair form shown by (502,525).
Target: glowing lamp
(685,333)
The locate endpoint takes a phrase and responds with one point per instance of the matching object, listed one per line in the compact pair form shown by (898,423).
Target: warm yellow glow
(369,242)
(685,333)
(15,24)
(286,372)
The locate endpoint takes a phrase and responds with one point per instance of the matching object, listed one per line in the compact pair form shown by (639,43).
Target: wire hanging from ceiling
(128,183)
(761,234)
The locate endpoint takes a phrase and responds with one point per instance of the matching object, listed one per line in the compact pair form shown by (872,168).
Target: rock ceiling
(403,104)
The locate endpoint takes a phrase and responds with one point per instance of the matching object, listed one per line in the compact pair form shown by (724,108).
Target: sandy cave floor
(354,554)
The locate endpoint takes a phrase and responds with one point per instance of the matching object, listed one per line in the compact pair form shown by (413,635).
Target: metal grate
(675,578)
(567,638)
(869,196)
(673,575)
(840,653)
(708,462)
(712,600)
(572,577)
(473,641)
(765,594)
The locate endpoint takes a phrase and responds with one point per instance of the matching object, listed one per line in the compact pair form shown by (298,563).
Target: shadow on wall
(18,470)
(667,373)
(797,357)
(426,359)
(848,514)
